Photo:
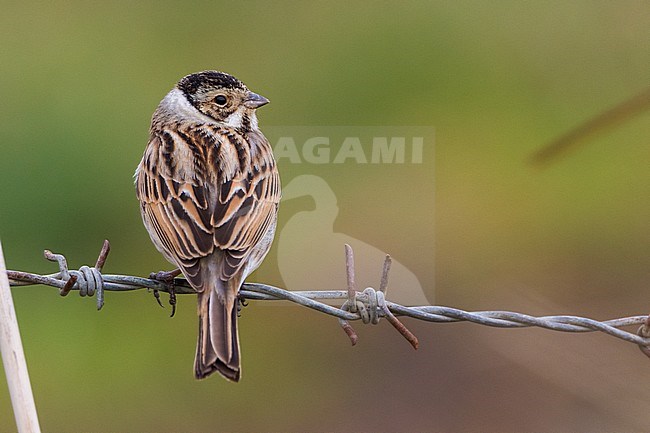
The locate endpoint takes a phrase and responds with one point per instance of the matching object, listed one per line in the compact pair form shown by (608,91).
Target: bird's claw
(156,294)
(241,303)
(172,301)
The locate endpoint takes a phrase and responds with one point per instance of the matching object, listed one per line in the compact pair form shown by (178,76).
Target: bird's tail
(218,345)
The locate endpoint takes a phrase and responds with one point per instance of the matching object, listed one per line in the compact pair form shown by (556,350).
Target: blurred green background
(497,80)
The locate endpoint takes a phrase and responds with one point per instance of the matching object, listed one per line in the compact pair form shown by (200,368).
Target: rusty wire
(369,306)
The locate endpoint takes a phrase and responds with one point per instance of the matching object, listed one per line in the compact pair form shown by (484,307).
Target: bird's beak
(253,100)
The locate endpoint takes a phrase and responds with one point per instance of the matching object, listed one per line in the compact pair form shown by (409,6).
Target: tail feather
(218,343)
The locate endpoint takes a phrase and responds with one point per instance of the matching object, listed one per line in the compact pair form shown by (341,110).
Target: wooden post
(13,359)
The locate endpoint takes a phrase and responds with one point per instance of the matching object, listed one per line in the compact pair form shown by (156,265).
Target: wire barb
(368,306)
(87,280)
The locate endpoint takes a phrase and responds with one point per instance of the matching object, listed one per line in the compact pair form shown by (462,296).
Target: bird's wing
(206,190)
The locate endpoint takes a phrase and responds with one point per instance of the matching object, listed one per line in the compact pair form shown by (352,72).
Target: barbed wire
(369,305)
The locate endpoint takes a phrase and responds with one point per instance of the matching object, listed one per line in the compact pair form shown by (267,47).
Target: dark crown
(190,84)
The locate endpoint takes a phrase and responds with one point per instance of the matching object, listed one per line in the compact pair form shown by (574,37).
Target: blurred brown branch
(597,124)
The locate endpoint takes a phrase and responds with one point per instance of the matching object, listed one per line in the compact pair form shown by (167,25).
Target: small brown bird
(209,191)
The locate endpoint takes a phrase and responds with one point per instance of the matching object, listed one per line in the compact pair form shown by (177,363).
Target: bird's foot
(166,277)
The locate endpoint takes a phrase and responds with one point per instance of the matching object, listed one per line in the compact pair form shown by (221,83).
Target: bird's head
(223,98)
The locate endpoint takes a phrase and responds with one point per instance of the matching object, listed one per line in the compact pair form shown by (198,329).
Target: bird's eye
(220,100)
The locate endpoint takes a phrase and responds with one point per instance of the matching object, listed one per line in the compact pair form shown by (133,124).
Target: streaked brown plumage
(209,191)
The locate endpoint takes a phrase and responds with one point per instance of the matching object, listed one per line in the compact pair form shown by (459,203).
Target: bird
(209,191)
(308,238)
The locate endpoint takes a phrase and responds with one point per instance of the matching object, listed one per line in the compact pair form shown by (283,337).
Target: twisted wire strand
(368,306)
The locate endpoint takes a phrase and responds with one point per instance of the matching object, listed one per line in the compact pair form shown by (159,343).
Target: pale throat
(235,120)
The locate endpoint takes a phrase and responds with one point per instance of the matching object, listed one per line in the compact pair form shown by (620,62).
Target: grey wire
(311,299)
(367,306)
